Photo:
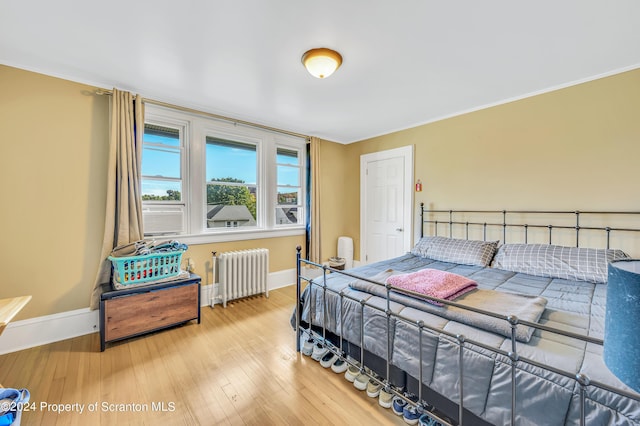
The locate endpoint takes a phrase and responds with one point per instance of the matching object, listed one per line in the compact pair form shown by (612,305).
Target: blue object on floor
(621,337)
(6,419)
(410,414)
(425,420)
(398,405)
(16,398)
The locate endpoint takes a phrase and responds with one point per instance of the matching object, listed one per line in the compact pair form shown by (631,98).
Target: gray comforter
(543,397)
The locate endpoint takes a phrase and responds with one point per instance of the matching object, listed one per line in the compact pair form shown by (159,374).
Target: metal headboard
(510,220)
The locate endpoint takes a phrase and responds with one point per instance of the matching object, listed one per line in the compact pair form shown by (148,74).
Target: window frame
(247,139)
(300,151)
(156,205)
(197,128)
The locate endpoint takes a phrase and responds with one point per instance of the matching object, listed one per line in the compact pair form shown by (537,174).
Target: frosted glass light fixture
(321,62)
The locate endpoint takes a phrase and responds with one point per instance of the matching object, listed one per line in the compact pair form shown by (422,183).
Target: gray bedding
(525,307)
(543,397)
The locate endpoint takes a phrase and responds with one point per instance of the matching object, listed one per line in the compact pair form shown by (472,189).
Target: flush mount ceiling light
(321,62)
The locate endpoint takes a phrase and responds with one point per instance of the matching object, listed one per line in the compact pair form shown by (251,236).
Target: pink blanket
(434,283)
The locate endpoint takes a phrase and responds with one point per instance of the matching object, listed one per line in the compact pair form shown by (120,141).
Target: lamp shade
(321,62)
(621,334)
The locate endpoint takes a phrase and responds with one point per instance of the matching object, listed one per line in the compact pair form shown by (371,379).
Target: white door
(386,204)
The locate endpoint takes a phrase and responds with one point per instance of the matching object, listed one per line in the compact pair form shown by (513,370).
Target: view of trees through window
(231,183)
(230,201)
(170,196)
(202,176)
(219,192)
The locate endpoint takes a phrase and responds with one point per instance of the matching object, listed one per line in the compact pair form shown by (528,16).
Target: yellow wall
(53,173)
(575,148)
(282,253)
(334,191)
(53,157)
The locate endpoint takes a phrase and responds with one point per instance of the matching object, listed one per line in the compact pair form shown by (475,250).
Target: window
(289,176)
(231,183)
(210,180)
(163,207)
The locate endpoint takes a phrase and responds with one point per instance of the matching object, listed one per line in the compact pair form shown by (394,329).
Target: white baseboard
(25,334)
(38,331)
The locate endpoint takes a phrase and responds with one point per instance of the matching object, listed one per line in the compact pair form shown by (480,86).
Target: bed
(524,347)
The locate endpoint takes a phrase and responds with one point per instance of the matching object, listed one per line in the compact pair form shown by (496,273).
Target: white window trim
(194,174)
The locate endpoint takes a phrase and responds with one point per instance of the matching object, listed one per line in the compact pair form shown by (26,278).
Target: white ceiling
(406,62)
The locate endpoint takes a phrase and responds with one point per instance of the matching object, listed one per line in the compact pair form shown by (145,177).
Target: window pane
(229,161)
(287,156)
(230,206)
(161,190)
(231,170)
(286,215)
(288,175)
(287,196)
(161,135)
(161,162)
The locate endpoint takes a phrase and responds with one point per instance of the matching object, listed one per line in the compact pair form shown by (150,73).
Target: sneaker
(307,347)
(328,359)
(410,414)
(374,387)
(307,344)
(318,352)
(340,366)
(361,381)
(425,420)
(352,372)
(385,399)
(398,405)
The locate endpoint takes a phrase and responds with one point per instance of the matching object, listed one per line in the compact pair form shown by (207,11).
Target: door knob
(399,229)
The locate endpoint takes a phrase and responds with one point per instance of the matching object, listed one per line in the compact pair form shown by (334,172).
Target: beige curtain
(123,221)
(315,253)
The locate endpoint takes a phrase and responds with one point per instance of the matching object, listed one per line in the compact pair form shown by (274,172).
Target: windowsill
(221,237)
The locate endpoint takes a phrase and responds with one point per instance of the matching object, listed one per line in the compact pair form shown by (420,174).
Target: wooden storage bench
(145,309)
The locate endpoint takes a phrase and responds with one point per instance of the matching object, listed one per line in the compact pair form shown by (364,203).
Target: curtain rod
(209,114)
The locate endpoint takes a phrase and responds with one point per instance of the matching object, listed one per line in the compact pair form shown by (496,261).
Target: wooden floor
(237,367)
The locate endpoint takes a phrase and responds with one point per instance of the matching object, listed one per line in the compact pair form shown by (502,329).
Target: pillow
(545,260)
(466,252)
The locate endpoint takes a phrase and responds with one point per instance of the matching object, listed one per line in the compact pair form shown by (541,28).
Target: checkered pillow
(545,260)
(465,252)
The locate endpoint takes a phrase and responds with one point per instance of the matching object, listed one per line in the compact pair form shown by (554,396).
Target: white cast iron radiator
(242,273)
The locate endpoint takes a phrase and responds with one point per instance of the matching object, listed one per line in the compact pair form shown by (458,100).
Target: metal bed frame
(321,333)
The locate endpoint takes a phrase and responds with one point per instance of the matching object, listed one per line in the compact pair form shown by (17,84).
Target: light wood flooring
(238,367)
